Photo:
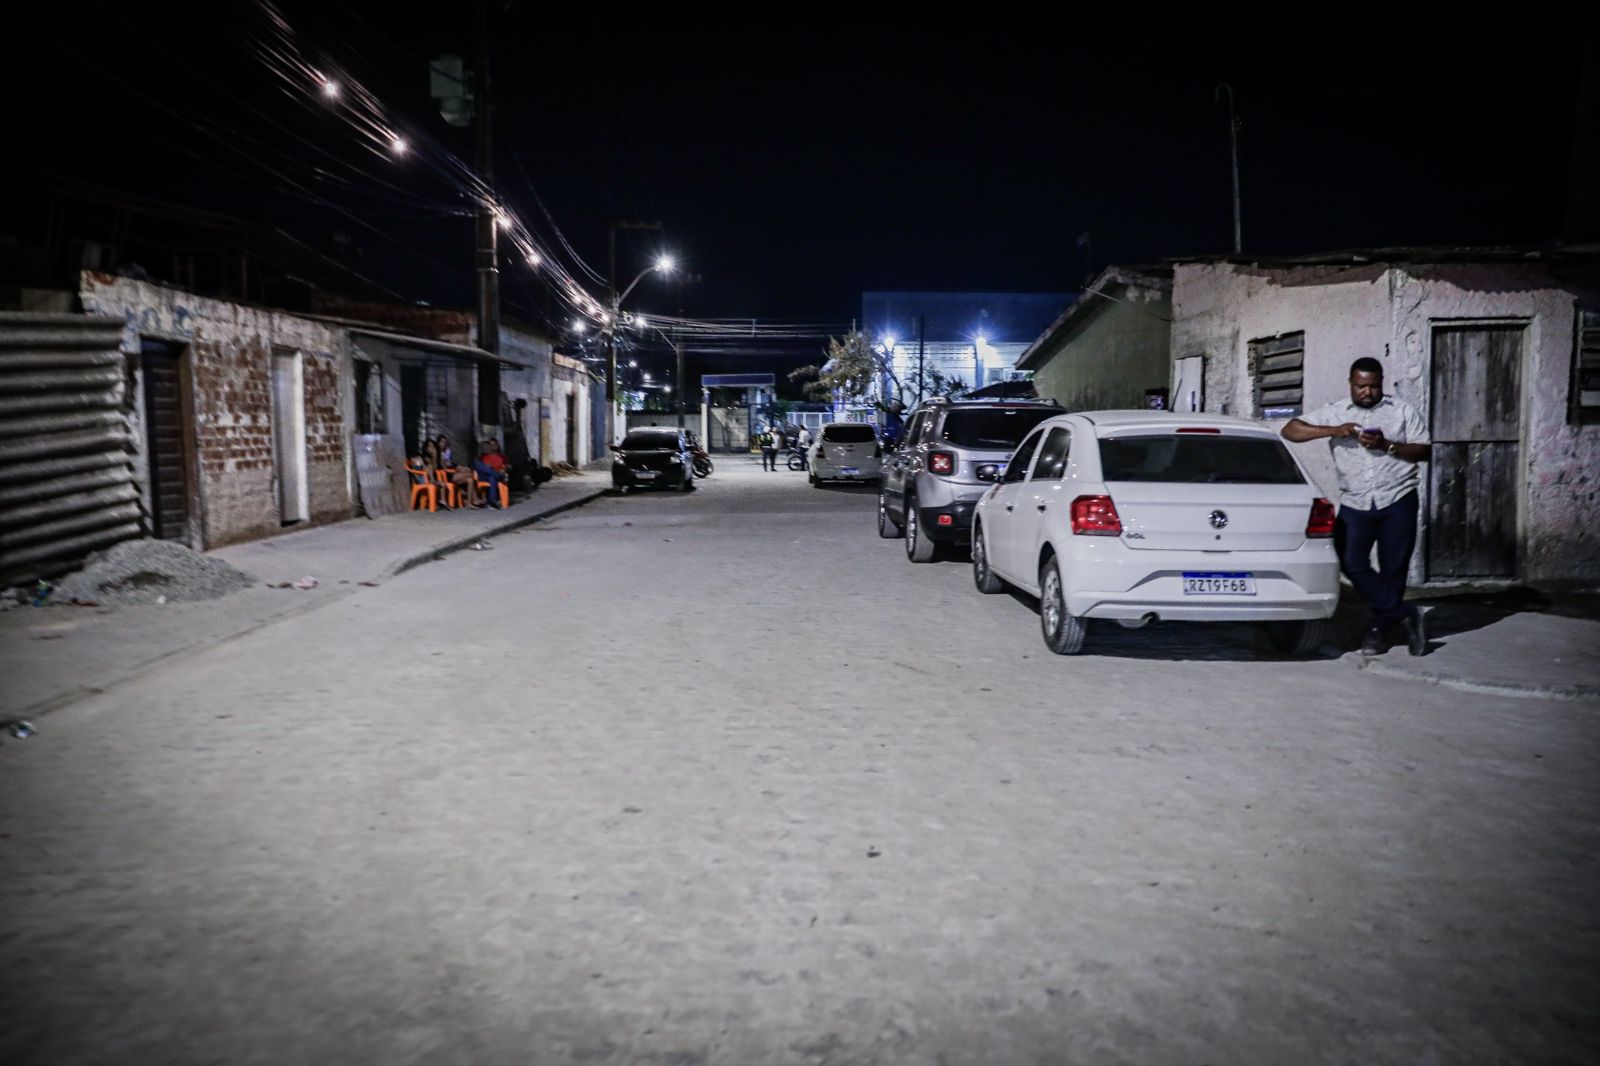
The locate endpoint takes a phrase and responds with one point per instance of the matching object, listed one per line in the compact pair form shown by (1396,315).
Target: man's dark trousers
(1394,530)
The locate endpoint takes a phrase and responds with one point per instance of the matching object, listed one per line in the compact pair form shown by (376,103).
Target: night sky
(793,171)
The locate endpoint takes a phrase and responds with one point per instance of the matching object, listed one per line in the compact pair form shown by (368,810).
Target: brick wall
(230,352)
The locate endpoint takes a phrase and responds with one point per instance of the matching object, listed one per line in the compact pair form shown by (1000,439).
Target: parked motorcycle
(700,458)
(797,457)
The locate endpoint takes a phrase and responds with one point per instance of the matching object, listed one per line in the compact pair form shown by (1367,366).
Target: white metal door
(289,436)
(1189,384)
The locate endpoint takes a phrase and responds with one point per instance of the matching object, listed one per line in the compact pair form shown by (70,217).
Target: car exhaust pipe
(1140,622)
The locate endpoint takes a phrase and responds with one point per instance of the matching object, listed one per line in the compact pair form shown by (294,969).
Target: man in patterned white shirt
(1377,442)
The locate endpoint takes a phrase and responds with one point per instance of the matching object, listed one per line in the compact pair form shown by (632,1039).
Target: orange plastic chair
(422,487)
(505,493)
(452,491)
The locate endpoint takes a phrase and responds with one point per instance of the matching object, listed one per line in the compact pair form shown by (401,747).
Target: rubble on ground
(150,572)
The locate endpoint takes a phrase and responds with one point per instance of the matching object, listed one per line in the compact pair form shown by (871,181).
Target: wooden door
(164,433)
(1477,449)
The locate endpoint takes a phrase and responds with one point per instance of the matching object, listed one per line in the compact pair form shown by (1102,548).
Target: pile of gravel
(150,571)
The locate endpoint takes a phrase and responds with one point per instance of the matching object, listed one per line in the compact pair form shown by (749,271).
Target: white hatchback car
(846,451)
(1143,515)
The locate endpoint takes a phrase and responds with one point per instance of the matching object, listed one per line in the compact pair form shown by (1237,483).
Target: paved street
(720,777)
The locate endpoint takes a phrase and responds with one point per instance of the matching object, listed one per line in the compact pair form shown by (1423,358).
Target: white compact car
(1144,515)
(846,451)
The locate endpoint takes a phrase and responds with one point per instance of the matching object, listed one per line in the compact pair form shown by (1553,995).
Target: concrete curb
(1571,693)
(458,543)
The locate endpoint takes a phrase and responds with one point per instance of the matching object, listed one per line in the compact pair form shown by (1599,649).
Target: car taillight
(1321,523)
(877,453)
(941,462)
(819,451)
(1095,516)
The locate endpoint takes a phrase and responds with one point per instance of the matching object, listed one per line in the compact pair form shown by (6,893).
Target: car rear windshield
(647,439)
(993,427)
(862,434)
(1198,459)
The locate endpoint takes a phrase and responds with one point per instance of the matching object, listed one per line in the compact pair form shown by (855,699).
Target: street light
(662,265)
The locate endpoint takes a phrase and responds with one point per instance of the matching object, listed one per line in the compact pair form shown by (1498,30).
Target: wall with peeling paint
(569,378)
(1119,349)
(1389,311)
(230,350)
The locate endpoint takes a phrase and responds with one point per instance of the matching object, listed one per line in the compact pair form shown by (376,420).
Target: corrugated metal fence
(67,484)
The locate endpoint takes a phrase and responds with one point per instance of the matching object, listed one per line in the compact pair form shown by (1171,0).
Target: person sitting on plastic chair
(491,470)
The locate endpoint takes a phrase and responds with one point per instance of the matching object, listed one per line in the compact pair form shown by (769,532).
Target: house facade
(1498,349)
(240,415)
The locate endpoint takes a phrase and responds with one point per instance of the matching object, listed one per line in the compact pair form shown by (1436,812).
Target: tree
(856,370)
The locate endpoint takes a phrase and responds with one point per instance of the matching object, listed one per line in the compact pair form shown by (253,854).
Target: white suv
(846,451)
(1144,515)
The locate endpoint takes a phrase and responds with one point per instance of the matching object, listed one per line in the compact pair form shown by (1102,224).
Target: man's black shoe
(1374,643)
(1416,634)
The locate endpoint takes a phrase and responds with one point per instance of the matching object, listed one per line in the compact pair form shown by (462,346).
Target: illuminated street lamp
(663,265)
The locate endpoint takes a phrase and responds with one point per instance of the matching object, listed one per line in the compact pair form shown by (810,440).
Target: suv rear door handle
(1041,508)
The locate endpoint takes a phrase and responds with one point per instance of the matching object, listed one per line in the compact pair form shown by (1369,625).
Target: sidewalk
(51,656)
(1516,642)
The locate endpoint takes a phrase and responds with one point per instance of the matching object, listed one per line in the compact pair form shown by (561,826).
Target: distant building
(972,337)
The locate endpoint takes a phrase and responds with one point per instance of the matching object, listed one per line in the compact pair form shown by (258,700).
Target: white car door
(1037,497)
(1003,508)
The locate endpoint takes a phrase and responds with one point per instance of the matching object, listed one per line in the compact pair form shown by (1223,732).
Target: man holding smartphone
(1377,442)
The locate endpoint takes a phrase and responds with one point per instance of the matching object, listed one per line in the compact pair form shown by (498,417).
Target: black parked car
(653,457)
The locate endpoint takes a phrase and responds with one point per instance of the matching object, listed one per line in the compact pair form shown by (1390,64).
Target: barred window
(1585,401)
(1278,374)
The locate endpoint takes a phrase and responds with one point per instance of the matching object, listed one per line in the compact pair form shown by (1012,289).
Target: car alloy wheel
(1063,633)
(919,549)
(982,576)
(887,529)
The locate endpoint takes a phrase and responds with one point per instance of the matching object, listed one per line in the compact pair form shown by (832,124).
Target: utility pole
(611,327)
(678,382)
(1233,146)
(488,253)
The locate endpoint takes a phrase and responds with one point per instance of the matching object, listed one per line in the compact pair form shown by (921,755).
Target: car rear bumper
(672,478)
(1103,582)
(828,470)
(957,528)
